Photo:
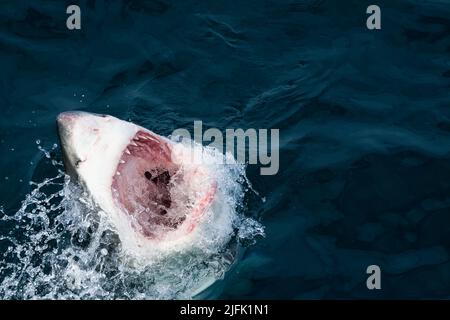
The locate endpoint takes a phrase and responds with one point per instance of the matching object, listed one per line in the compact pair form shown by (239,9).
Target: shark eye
(77,163)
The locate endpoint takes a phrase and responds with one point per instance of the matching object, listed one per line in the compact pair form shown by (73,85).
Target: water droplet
(38,141)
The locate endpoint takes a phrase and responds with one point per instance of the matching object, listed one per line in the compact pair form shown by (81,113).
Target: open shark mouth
(147,183)
(143,181)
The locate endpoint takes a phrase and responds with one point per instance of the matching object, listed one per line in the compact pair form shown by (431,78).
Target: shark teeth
(150,138)
(146,137)
(127,151)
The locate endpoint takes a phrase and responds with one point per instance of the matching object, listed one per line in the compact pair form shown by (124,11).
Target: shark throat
(143,182)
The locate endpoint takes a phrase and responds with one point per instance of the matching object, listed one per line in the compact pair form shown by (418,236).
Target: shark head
(142,180)
(92,142)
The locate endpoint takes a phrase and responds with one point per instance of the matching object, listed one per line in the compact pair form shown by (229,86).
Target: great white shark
(156,198)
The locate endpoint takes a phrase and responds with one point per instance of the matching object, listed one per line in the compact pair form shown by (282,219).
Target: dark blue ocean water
(364,119)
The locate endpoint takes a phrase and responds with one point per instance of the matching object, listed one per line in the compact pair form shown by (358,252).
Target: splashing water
(59,245)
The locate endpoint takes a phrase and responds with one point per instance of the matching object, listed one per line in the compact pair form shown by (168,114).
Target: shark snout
(75,137)
(67,118)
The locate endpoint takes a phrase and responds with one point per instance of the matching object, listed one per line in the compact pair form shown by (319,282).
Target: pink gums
(142,187)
